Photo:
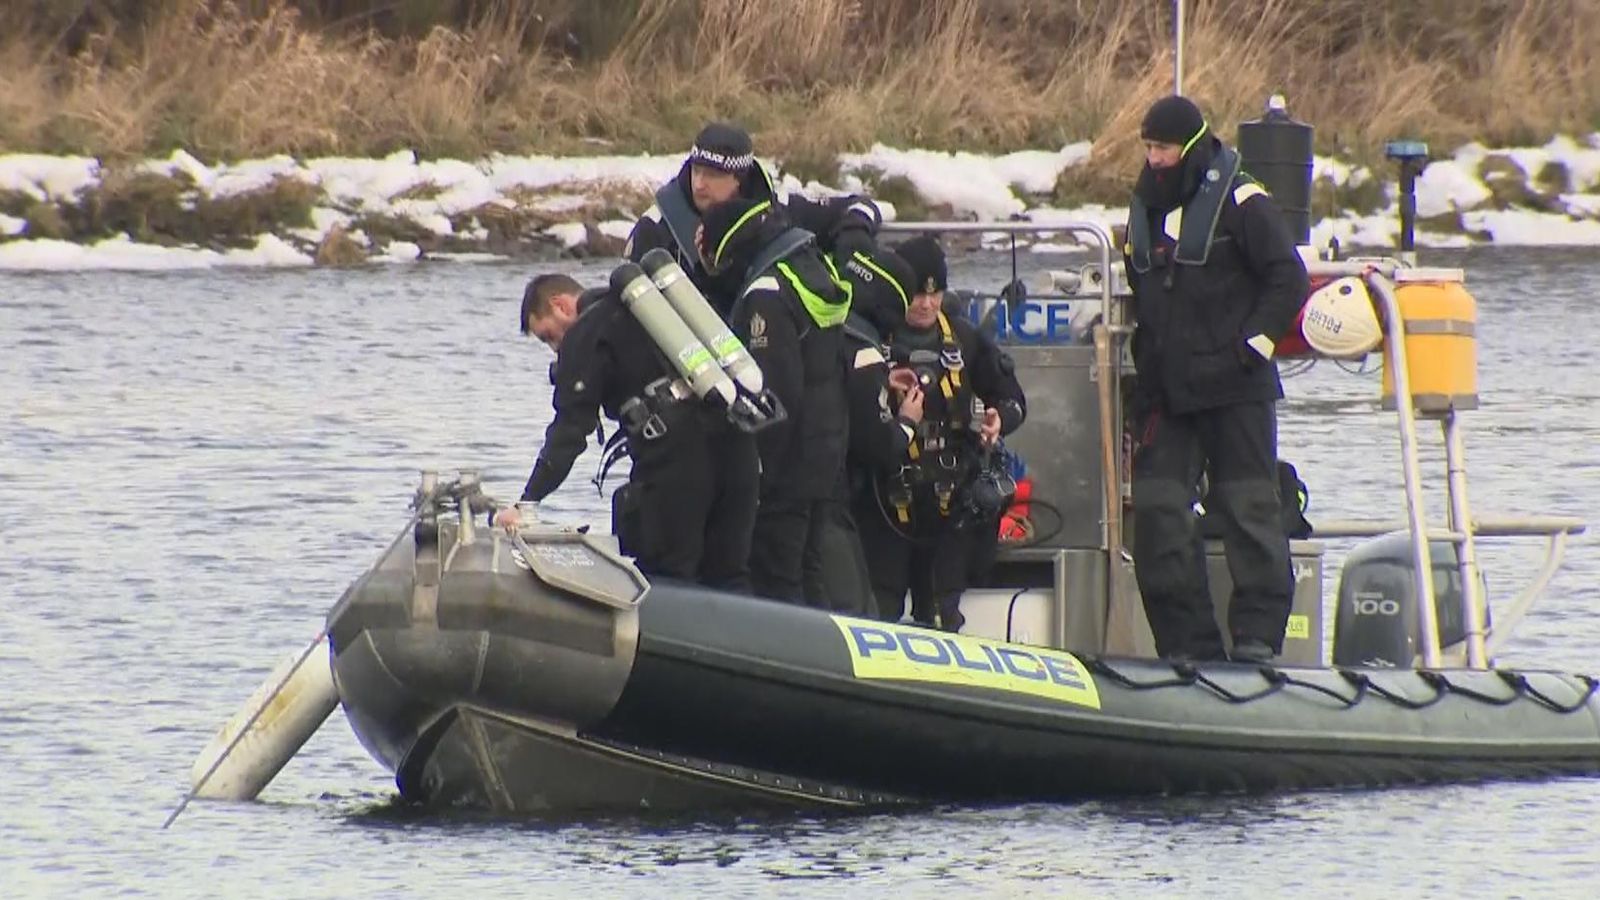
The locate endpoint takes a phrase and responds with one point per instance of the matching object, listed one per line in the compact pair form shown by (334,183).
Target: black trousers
(807,551)
(833,570)
(930,557)
(1237,446)
(691,508)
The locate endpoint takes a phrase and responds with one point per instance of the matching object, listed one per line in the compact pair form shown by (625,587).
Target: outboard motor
(1276,151)
(1376,623)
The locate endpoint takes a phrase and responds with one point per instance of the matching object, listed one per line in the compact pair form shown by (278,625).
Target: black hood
(737,230)
(881,299)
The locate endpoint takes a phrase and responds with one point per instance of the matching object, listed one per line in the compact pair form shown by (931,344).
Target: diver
(721,166)
(1216,282)
(688,507)
(790,313)
(926,518)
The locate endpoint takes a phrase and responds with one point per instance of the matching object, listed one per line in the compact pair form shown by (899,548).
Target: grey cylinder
(697,313)
(690,357)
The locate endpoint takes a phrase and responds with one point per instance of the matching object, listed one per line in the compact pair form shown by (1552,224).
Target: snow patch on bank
(433,195)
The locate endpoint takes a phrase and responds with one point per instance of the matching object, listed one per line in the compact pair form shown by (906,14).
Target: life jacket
(823,312)
(1197,218)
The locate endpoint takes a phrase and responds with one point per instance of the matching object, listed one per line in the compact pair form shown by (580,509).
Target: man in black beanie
(1216,281)
(721,166)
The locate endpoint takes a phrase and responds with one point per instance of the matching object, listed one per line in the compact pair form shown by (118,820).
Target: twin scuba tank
(710,360)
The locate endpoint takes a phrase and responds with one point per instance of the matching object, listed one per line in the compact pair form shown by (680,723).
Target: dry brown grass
(810,77)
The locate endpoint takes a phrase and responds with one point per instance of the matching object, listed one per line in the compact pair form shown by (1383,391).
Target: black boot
(1251,650)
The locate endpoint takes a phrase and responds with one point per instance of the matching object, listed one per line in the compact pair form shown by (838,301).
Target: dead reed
(810,77)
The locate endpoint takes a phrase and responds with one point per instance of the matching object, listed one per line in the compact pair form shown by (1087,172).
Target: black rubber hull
(761,684)
(507,694)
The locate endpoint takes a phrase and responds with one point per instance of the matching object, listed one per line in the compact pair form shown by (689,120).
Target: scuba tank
(684,351)
(697,313)
(705,375)
(755,407)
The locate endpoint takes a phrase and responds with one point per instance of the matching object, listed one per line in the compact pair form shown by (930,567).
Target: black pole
(1413,158)
(1408,207)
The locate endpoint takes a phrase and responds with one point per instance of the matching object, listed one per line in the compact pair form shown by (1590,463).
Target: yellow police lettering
(911,645)
(962,661)
(909,654)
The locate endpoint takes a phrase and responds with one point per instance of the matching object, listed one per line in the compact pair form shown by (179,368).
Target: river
(193,466)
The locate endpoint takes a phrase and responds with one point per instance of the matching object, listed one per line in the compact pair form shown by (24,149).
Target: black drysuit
(689,505)
(800,349)
(917,525)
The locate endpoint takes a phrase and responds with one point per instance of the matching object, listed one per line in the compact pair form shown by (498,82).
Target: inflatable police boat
(541,672)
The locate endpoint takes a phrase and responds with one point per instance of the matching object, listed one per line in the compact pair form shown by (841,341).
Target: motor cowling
(1376,622)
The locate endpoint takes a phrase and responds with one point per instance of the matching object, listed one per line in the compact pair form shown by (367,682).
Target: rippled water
(193,466)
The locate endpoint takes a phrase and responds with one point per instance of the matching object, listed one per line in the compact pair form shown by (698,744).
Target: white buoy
(282,714)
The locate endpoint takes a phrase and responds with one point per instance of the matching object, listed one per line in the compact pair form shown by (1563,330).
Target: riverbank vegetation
(465,78)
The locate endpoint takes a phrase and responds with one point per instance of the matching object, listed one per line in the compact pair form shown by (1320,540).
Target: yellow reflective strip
(1245,191)
(954,377)
(1197,135)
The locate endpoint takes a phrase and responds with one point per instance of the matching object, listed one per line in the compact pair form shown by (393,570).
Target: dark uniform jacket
(606,358)
(1193,319)
(803,457)
(841,221)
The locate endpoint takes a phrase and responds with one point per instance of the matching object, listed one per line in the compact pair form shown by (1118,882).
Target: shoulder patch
(1247,190)
(868,356)
(764,283)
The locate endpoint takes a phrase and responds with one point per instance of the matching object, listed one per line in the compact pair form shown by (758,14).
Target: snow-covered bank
(74,213)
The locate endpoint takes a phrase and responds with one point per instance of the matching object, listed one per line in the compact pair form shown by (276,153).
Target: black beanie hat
(926,258)
(724,147)
(1172,120)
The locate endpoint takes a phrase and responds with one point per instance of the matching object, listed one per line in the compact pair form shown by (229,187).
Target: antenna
(1177,43)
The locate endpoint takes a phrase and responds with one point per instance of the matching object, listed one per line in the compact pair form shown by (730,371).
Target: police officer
(689,504)
(722,166)
(789,313)
(1216,281)
(939,506)
(835,571)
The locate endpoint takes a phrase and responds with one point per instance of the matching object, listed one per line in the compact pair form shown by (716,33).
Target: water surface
(193,466)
